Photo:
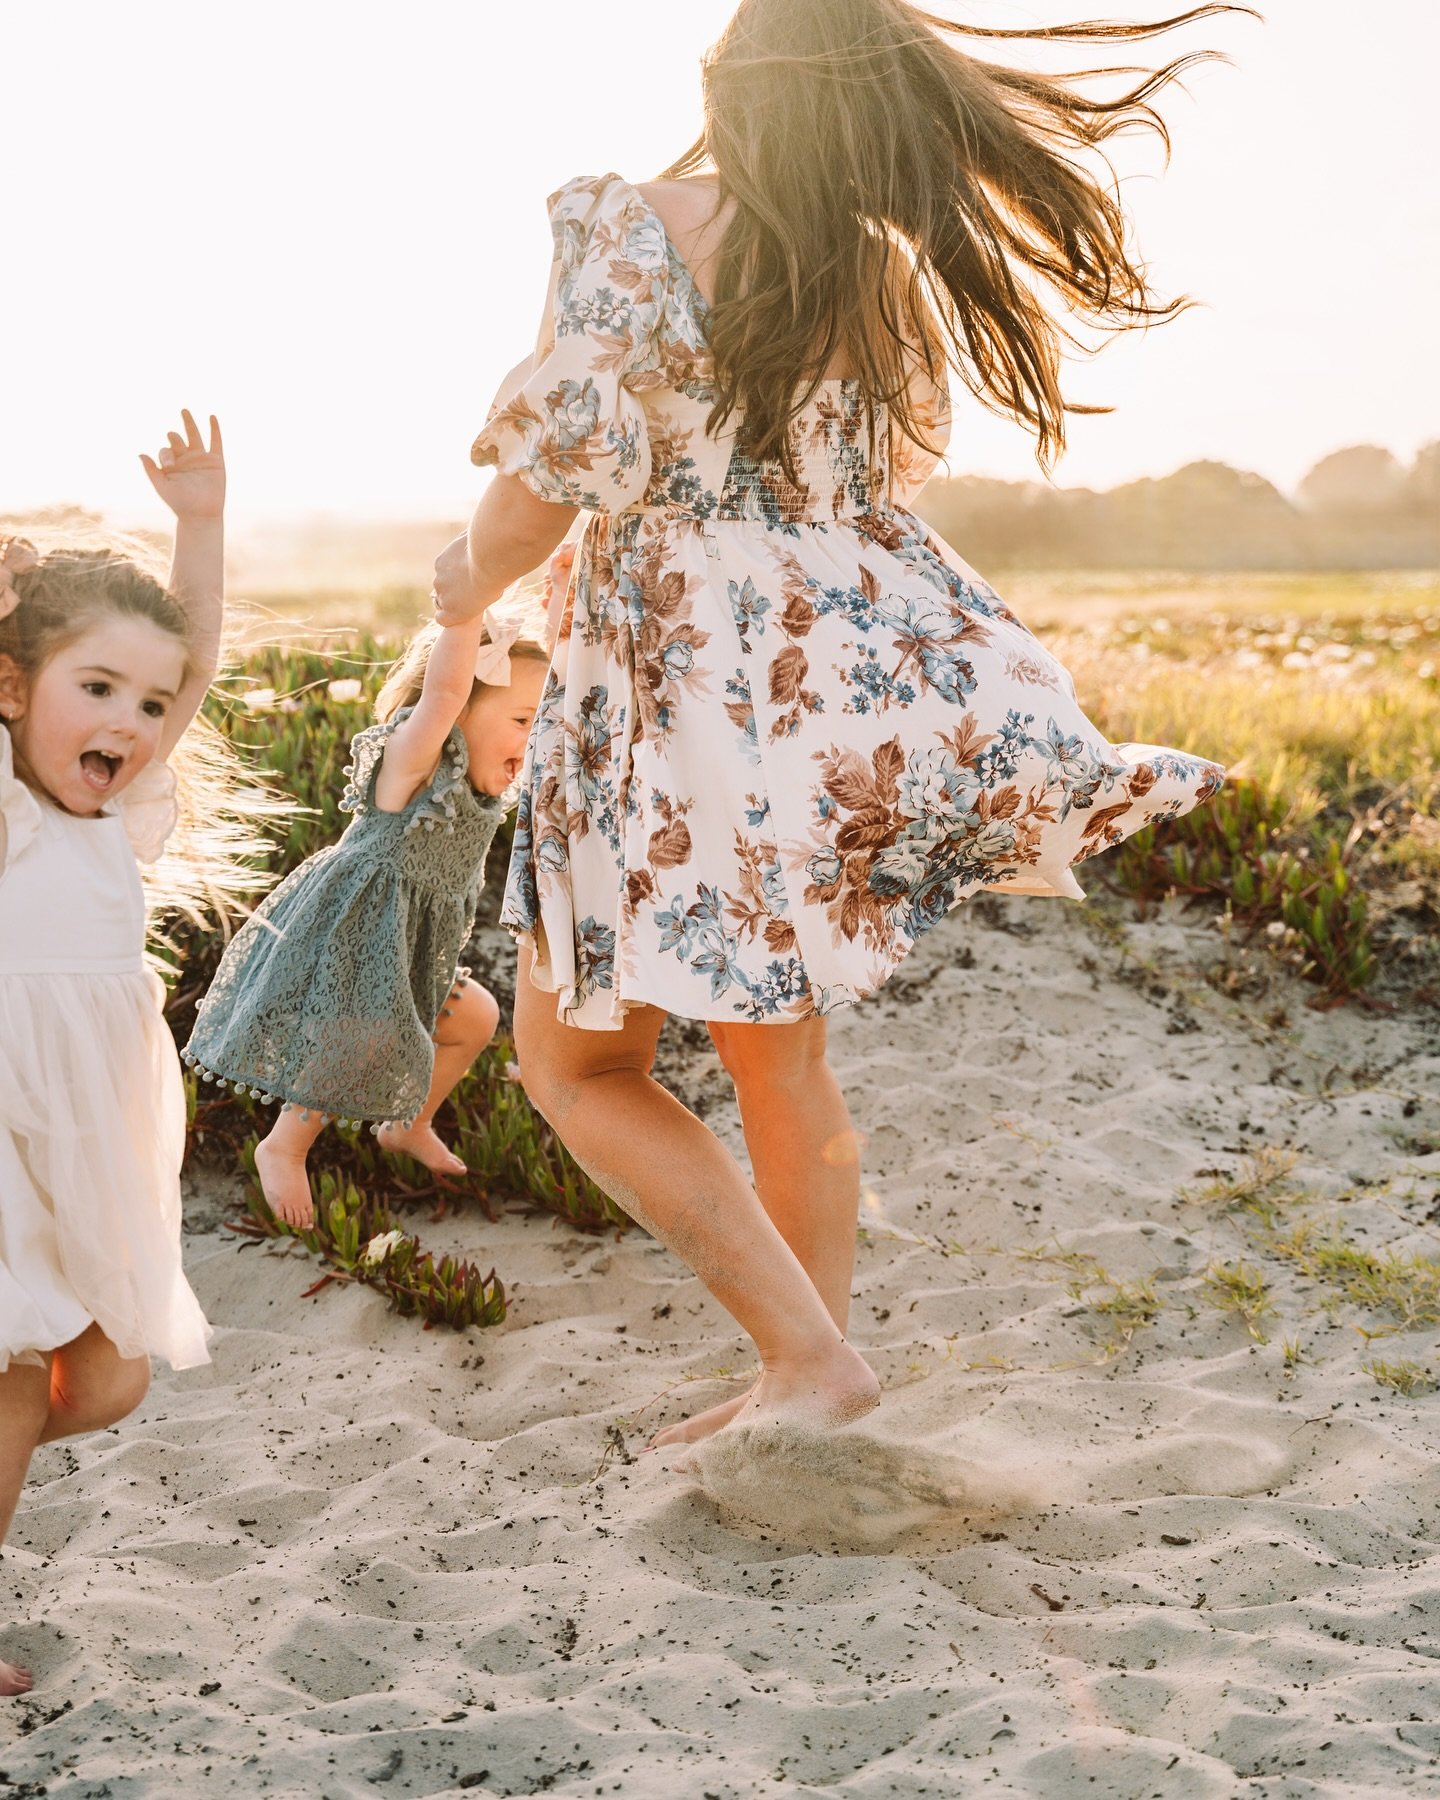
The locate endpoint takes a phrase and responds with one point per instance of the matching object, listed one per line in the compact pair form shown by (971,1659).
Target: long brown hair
(846,129)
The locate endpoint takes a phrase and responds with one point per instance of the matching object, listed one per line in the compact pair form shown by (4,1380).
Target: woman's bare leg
(466,1025)
(87,1386)
(806,1161)
(675,1178)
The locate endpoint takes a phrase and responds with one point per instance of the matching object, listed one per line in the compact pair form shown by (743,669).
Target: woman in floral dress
(786,729)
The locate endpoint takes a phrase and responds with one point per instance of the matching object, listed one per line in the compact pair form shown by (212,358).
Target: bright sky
(327,224)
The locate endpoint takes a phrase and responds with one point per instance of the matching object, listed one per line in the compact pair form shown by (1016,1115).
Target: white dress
(92,1106)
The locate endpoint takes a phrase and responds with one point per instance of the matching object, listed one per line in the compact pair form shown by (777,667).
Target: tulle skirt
(92,1133)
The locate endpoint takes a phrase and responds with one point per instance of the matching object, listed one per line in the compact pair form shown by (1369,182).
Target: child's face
(91,719)
(497,725)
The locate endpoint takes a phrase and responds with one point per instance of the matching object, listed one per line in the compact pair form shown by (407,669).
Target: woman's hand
(189,478)
(456,599)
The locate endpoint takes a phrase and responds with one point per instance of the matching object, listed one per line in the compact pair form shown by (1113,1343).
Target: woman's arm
(190,479)
(511,532)
(413,748)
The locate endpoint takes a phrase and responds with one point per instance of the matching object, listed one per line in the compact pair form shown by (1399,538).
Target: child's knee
(474,1015)
(131,1385)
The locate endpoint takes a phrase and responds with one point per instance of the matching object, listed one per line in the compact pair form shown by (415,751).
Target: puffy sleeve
(573,429)
(149,811)
(18,806)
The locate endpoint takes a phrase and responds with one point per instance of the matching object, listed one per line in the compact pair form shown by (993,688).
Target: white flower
(380,1247)
(258,699)
(344,691)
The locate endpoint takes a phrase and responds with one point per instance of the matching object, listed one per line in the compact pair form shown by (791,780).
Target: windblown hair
(403,684)
(213,857)
(899,201)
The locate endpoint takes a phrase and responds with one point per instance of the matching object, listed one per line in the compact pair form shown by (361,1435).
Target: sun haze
(328,226)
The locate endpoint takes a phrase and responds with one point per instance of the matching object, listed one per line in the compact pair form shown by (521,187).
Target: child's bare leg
(92,1385)
(24,1404)
(806,1164)
(280,1163)
(466,1025)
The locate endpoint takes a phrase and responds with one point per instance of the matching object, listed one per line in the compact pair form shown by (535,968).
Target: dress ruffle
(90,1224)
(149,810)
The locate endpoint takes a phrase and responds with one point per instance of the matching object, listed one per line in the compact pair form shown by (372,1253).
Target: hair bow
(17,555)
(502,628)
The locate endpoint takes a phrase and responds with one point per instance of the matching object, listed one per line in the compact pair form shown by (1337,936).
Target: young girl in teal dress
(342,996)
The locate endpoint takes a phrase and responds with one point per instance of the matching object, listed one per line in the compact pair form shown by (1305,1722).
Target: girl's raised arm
(415,744)
(190,479)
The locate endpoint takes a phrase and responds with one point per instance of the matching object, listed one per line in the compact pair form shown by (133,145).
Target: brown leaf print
(799,615)
(1142,779)
(639,887)
(889,762)
(670,846)
(1098,824)
(788,670)
(851,782)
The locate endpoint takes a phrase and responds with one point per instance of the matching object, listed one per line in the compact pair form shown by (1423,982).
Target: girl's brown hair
(213,856)
(402,685)
(899,201)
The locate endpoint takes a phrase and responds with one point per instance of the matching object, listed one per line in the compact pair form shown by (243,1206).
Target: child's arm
(191,481)
(414,747)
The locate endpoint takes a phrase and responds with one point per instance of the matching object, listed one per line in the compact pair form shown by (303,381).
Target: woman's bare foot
(421,1142)
(14,1679)
(690,1431)
(285,1184)
(820,1395)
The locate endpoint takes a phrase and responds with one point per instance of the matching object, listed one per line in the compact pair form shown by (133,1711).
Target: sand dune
(355,1558)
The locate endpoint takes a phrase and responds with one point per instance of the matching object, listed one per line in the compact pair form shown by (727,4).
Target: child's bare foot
(14,1679)
(690,1431)
(285,1184)
(421,1142)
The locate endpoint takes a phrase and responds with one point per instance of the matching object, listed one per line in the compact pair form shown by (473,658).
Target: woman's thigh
(92,1385)
(764,1056)
(556,1059)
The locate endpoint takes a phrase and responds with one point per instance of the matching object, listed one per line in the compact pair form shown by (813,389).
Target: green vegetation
(1328,716)
(1405,1377)
(1235,1289)
(361,1242)
(1320,692)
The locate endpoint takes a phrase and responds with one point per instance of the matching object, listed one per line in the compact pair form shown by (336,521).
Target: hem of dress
(33,1355)
(525,936)
(278,1096)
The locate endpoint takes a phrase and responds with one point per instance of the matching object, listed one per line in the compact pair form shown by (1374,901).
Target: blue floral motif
(574,413)
(704,824)
(749,606)
(594,957)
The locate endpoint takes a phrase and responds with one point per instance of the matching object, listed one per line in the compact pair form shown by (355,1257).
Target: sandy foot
(421,1142)
(691,1431)
(285,1184)
(14,1680)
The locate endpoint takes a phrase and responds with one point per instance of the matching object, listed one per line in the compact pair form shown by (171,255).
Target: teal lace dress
(328,996)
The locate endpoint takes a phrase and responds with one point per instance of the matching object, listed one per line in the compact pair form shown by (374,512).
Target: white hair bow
(503,628)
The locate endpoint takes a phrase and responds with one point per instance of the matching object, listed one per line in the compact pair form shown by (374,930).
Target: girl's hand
(456,601)
(189,478)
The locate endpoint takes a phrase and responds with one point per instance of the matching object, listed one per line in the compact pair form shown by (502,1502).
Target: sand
(356,1558)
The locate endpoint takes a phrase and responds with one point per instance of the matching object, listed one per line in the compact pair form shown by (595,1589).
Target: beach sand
(353,1557)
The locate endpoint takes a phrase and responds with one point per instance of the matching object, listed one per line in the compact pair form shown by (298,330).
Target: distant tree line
(1359,508)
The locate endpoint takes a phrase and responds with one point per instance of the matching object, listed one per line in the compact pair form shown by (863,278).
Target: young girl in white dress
(101,671)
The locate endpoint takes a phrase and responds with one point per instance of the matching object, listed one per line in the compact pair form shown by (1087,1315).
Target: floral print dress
(785,729)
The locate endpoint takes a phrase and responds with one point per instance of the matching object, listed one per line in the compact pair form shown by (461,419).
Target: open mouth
(100,768)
